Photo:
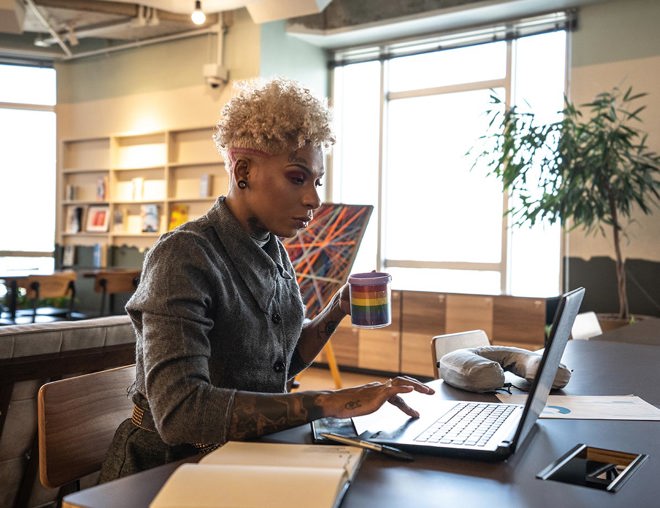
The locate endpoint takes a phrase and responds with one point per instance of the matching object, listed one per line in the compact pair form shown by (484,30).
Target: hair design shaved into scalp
(272,117)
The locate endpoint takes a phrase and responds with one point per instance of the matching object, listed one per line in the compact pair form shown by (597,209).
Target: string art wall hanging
(324,252)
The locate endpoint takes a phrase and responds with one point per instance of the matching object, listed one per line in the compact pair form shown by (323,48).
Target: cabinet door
(519,322)
(345,344)
(379,347)
(469,312)
(422,317)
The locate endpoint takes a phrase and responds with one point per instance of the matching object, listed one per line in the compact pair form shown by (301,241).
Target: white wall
(618,44)
(153,87)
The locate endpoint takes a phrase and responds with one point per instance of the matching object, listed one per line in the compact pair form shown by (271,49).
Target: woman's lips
(302,222)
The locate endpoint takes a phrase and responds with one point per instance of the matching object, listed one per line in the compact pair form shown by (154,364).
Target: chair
(443,344)
(109,283)
(585,326)
(77,419)
(56,285)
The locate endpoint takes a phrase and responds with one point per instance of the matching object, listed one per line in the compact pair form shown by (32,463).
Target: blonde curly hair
(271,116)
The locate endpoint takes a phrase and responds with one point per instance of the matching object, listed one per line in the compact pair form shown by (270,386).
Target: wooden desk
(10,279)
(600,368)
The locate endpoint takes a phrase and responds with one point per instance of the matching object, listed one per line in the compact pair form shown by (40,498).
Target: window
(27,167)
(406,114)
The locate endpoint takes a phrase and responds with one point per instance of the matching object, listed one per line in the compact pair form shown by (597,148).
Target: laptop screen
(568,308)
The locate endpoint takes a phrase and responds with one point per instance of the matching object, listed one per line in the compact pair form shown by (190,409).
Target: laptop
(499,429)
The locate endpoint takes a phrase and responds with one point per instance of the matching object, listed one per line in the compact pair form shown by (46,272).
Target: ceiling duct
(12,14)
(263,11)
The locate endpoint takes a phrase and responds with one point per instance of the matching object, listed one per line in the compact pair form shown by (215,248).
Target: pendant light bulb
(198,17)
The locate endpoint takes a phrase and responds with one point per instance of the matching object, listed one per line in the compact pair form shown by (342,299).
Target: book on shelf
(153,190)
(205,185)
(68,256)
(178,215)
(102,188)
(99,256)
(70,192)
(150,218)
(137,185)
(119,218)
(277,475)
(74,218)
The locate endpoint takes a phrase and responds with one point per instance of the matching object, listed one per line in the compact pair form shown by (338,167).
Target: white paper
(592,407)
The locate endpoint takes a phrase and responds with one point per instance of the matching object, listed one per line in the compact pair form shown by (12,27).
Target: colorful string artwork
(324,252)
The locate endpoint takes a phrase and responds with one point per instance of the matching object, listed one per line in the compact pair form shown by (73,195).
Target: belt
(143,419)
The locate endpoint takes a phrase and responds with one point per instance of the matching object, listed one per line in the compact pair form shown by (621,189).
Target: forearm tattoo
(330,328)
(257,414)
(352,404)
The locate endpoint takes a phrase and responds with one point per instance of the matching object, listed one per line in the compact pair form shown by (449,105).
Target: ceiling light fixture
(198,17)
(41,42)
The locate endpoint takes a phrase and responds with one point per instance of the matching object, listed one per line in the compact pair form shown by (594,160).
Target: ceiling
(64,29)
(47,30)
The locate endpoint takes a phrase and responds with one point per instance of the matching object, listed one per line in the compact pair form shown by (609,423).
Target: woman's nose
(312,198)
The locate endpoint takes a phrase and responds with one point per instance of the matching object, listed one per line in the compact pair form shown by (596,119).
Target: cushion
(481,369)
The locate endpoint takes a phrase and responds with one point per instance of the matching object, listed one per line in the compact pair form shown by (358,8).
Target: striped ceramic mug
(371,299)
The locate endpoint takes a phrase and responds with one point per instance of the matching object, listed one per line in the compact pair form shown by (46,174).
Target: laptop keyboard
(467,423)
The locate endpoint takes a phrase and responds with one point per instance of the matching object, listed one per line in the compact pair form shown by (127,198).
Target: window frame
(49,108)
(383,53)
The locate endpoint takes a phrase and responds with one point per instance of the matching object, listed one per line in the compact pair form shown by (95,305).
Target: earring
(242,184)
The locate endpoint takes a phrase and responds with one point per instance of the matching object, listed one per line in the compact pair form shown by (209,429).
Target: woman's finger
(409,381)
(400,403)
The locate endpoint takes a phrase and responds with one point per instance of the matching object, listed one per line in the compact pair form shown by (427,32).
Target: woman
(218,314)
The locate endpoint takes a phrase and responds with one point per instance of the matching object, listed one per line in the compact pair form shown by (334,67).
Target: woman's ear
(241,169)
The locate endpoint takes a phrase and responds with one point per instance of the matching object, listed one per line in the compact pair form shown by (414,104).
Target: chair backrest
(77,419)
(443,344)
(112,282)
(56,285)
(49,286)
(585,326)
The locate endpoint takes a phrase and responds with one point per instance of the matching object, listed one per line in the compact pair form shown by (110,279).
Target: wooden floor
(320,378)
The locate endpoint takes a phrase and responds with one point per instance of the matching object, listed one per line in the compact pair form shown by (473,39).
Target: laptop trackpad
(389,422)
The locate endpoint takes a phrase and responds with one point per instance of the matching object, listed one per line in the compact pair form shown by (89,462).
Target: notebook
(499,429)
(250,475)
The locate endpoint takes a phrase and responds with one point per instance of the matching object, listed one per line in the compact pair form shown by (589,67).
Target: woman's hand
(365,399)
(345,299)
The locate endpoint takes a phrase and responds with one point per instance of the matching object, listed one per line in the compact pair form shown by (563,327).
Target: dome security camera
(215,75)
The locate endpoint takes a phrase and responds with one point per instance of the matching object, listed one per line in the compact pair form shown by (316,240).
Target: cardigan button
(278,366)
(276,318)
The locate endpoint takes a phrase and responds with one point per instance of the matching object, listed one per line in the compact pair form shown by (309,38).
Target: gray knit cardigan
(214,313)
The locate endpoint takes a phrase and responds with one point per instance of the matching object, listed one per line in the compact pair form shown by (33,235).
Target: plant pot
(612,322)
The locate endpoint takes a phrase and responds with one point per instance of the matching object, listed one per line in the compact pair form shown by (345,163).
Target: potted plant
(587,169)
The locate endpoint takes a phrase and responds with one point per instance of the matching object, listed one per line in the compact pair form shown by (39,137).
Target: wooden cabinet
(405,346)
(469,312)
(135,179)
(519,322)
(345,344)
(379,347)
(422,317)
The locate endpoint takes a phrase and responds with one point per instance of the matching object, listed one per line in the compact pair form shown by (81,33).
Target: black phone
(341,426)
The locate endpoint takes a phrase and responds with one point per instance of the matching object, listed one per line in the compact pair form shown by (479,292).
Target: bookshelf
(135,178)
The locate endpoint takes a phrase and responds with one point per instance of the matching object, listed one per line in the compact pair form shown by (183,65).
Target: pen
(390,451)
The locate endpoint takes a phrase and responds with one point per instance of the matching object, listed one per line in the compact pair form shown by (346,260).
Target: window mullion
(439,90)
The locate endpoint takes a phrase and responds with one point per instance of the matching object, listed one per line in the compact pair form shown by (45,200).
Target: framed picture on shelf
(98,218)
